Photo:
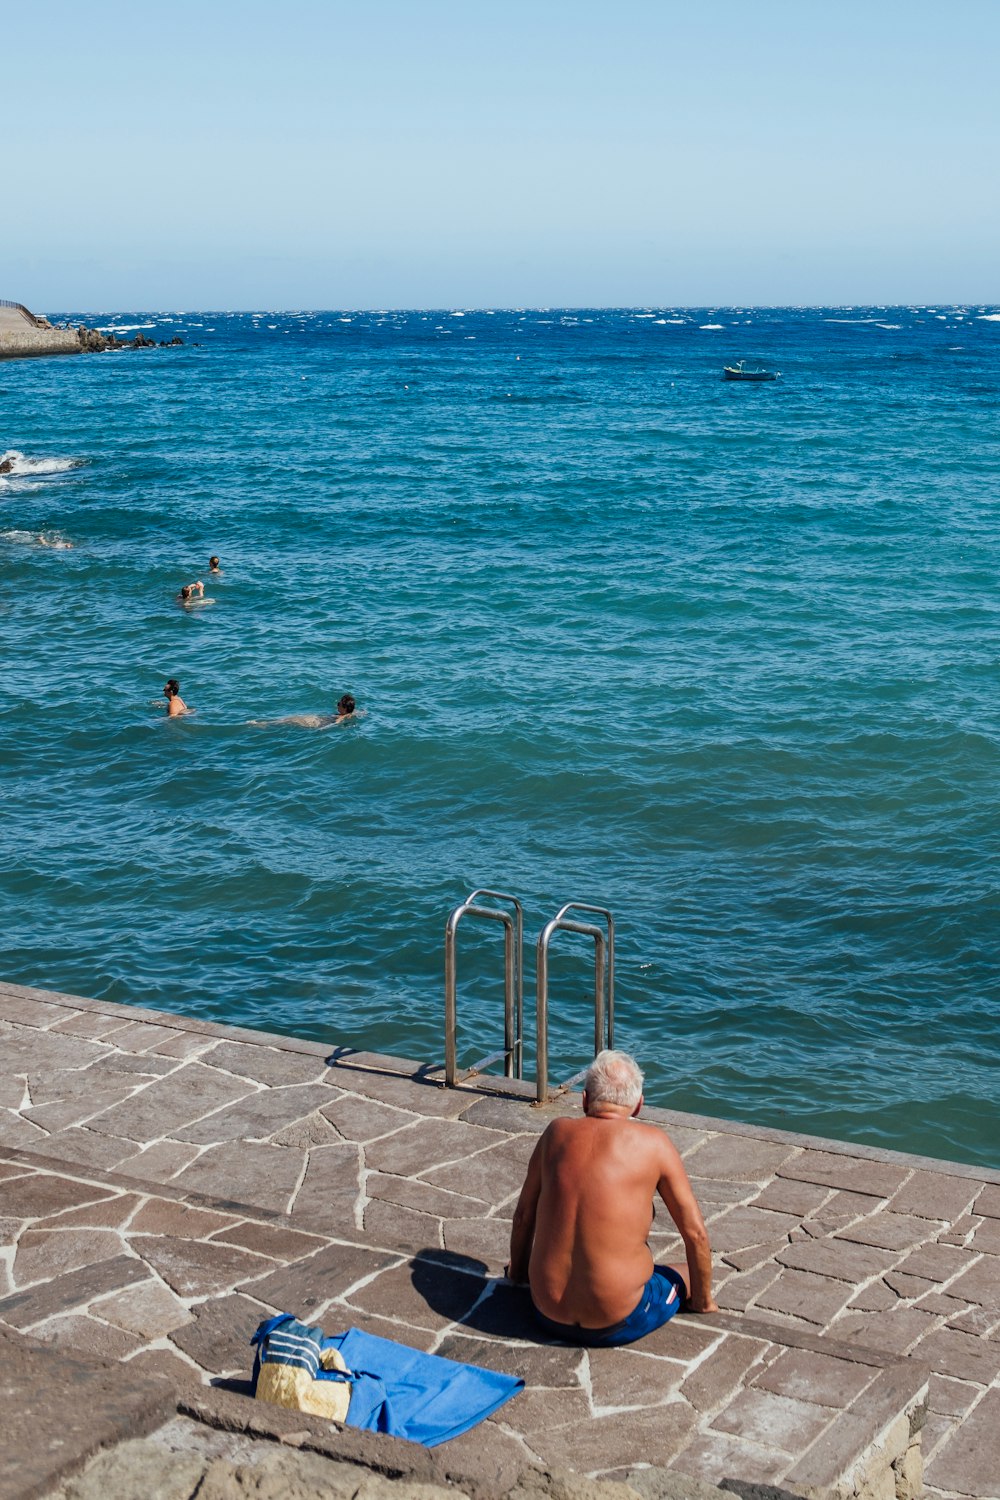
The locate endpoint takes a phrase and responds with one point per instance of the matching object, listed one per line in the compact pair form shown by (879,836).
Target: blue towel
(394,1389)
(418,1396)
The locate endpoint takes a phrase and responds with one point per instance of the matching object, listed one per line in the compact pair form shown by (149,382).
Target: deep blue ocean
(722,657)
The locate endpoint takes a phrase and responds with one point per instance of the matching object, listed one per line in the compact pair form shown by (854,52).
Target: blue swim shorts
(661,1298)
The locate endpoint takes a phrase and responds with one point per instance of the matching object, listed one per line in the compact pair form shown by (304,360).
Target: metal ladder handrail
(604,1019)
(513,1049)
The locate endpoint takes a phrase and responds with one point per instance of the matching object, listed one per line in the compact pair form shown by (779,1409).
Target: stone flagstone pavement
(167,1183)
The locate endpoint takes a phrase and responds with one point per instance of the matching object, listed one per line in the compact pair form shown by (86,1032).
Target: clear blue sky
(387,153)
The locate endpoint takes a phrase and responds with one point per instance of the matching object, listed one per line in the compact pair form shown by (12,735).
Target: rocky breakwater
(94,341)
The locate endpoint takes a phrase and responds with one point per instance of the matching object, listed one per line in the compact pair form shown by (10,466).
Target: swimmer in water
(175,703)
(58,542)
(346,709)
(213,565)
(192,596)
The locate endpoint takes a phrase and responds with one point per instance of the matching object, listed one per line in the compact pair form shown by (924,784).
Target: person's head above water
(346,704)
(172,688)
(185,592)
(613,1078)
(213,563)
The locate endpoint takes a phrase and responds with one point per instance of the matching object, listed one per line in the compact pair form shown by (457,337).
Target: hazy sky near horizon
(450,153)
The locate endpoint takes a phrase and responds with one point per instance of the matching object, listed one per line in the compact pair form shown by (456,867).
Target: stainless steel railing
(513,987)
(604,1014)
(513,925)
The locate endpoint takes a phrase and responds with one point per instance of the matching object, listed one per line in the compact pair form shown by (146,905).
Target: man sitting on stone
(581,1224)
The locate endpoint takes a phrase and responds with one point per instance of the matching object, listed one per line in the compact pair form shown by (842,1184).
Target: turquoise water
(724,658)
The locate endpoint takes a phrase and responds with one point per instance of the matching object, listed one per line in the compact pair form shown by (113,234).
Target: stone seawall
(23,336)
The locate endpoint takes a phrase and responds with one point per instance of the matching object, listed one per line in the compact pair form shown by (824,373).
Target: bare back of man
(583,1218)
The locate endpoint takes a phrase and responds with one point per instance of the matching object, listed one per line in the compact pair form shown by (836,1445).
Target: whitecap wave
(122,327)
(711,325)
(20,464)
(988,317)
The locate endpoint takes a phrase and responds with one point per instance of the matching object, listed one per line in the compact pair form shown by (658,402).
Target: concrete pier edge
(820,1244)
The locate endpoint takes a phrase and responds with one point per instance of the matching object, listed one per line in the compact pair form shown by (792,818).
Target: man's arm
(677,1193)
(523,1229)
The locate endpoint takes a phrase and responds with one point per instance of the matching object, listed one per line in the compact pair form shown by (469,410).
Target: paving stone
(43,1254)
(844,1207)
(43,1194)
(935,1195)
(21,1134)
(140,1036)
(268,1064)
(59,1408)
(62,1113)
(738,1158)
(149,1309)
(888,1231)
(986,1236)
(909,1287)
(159,1162)
(980,1283)
(511,1115)
(837,1258)
(164,1216)
(184,1044)
(166,1104)
(314,1130)
(88,1149)
(403,1228)
(787,1196)
(427,1144)
(979,1320)
(494,1176)
(48,1052)
(630,1377)
(9,1230)
(140,1470)
(818,1378)
(311,1282)
(217,1336)
(714,1457)
(753,1255)
(712,1382)
(892,1332)
(936,1263)
(611,1442)
(934,1434)
(506,1312)
(803,1294)
(961,1231)
(250,1173)
(988,1202)
(331,1189)
(741,1227)
(686,1337)
(90,1024)
(422,1099)
(870,1177)
(170,1367)
(948,1352)
(773,1421)
(196,1268)
(422,1196)
(951,1398)
(970,1461)
(875,1297)
(256,1118)
(270,1239)
(737,1292)
(88,1336)
(337,1319)
(718,1193)
(537,1410)
(487,1240)
(550,1365)
(424,1293)
(361,1119)
(67,1293)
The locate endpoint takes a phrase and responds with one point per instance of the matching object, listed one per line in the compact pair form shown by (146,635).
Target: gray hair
(614,1078)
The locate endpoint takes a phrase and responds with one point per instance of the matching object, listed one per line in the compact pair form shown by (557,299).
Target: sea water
(721,657)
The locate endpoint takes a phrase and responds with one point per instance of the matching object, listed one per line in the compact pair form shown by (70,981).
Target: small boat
(741,371)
